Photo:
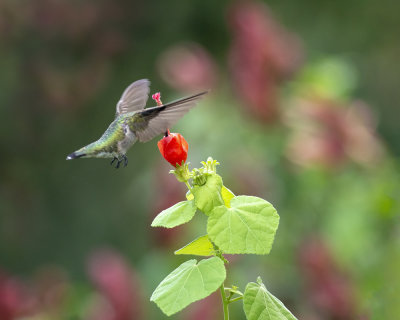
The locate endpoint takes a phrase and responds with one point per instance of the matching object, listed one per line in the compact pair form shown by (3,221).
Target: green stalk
(189,186)
(224,302)
(236,299)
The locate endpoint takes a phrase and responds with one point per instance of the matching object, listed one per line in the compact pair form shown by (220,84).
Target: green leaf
(176,215)
(249,226)
(208,196)
(260,304)
(202,246)
(190,282)
(227,196)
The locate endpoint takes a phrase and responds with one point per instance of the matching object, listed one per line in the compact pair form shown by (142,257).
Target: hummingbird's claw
(118,162)
(115,158)
(125,160)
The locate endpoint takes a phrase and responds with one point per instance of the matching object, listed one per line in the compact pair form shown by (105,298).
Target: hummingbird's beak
(74,155)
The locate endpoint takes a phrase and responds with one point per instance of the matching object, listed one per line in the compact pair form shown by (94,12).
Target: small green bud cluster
(199,175)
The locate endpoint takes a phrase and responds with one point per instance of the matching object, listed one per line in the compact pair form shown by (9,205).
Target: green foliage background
(58,90)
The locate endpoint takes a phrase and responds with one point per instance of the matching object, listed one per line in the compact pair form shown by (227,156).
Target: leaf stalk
(224,302)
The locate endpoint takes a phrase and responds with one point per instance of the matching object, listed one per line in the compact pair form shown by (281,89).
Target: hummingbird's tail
(92,150)
(75,155)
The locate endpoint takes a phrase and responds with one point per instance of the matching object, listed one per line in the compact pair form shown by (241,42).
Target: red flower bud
(174,148)
(157,98)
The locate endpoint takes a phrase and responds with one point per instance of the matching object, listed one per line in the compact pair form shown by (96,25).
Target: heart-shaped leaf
(227,196)
(260,304)
(176,215)
(190,282)
(202,246)
(249,226)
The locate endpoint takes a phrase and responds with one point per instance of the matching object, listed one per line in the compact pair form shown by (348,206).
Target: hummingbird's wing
(134,97)
(158,120)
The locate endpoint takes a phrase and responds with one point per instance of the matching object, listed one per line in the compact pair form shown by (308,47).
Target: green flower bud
(199,177)
(182,172)
(210,166)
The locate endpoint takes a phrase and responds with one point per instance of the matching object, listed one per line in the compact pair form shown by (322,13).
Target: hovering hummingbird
(133,122)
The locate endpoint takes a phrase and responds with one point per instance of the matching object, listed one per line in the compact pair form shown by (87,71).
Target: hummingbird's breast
(126,135)
(128,140)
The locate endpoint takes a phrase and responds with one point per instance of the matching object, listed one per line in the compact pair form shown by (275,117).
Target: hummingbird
(134,122)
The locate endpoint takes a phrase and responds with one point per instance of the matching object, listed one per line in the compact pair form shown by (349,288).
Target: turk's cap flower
(174,148)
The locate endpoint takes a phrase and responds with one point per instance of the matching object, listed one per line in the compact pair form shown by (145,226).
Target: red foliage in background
(188,67)
(118,284)
(15,299)
(262,55)
(329,133)
(327,287)
(208,308)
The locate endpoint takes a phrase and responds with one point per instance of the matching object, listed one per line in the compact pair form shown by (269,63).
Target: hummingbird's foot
(125,160)
(115,158)
(118,162)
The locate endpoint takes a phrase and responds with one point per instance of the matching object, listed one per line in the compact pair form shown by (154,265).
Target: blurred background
(303,112)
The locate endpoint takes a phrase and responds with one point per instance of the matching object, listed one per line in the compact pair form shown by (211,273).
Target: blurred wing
(158,119)
(134,97)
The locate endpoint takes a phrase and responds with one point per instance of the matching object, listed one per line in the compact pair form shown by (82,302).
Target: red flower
(157,98)
(174,148)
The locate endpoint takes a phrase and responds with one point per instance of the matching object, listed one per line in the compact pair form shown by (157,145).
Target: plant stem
(224,302)
(189,186)
(236,299)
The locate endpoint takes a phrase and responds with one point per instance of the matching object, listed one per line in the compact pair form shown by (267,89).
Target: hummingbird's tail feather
(93,150)
(159,119)
(75,155)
